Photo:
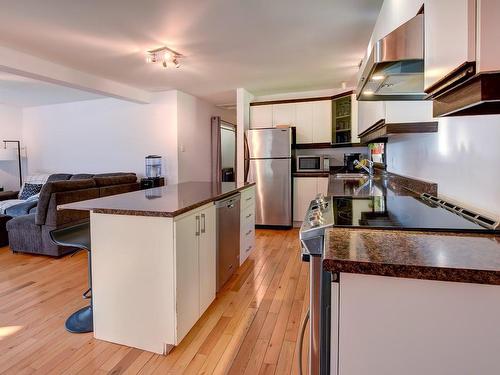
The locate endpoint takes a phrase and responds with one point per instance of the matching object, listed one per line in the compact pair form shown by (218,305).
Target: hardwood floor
(252,327)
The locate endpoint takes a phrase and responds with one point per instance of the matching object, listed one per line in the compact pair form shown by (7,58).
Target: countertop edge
(115,211)
(412,271)
(461,275)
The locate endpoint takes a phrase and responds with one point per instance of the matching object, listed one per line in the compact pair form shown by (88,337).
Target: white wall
(194,136)
(462,158)
(10,128)
(102,135)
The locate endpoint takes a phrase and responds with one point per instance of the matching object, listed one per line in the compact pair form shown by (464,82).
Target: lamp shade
(8,154)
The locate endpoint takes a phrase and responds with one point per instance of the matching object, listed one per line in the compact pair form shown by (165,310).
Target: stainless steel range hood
(395,67)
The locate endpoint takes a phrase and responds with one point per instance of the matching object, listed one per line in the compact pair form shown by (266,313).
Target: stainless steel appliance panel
(270,143)
(228,238)
(273,191)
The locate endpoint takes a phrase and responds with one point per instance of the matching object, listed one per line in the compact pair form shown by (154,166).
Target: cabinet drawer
(247,245)
(248,197)
(247,214)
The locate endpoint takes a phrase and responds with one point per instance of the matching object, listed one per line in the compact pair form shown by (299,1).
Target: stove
(417,213)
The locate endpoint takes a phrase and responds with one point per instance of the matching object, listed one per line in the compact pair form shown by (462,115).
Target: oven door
(309,163)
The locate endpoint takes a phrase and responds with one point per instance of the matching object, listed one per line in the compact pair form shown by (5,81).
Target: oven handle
(301,341)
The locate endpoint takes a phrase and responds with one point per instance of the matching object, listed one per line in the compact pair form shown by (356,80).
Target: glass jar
(153,166)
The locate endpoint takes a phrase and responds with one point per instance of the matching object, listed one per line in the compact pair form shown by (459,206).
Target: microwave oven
(313,163)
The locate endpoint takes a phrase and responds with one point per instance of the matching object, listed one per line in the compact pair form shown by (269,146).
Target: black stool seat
(74,236)
(77,236)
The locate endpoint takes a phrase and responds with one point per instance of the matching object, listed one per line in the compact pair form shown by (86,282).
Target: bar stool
(78,236)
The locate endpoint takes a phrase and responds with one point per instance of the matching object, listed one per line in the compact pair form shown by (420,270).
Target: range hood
(395,67)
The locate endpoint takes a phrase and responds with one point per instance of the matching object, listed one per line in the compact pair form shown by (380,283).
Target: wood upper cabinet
(449,37)
(261,116)
(283,114)
(322,121)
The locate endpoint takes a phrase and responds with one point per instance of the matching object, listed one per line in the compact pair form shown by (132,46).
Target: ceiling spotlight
(368,92)
(165,56)
(378,77)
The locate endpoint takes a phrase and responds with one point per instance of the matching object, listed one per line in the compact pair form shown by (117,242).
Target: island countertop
(166,201)
(467,258)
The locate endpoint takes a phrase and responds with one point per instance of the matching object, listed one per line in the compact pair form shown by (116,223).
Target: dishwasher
(228,238)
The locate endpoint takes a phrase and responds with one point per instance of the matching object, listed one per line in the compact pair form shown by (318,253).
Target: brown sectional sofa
(30,233)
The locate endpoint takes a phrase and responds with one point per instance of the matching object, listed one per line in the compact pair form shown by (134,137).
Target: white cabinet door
(187,273)
(322,185)
(304,191)
(322,121)
(395,326)
(304,122)
(449,37)
(207,257)
(369,113)
(261,116)
(284,114)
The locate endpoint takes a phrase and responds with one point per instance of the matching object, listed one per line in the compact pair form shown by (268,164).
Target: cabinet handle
(248,249)
(197,233)
(249,198)
(250,231)
(203,223)
(249,215)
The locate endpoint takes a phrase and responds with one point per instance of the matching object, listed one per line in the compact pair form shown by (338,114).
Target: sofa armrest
(21,208)
(5,195)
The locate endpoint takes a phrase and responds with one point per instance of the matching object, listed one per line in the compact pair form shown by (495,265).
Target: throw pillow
(30,190)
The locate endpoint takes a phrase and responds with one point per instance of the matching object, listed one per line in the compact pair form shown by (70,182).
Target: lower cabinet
(304,191)
(393,326)
(247,223)
(195,257)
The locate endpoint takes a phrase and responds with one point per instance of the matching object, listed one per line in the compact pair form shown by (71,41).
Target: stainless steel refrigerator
(269,161)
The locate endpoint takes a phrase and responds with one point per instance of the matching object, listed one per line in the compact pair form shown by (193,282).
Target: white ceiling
(266,46)
(26,92)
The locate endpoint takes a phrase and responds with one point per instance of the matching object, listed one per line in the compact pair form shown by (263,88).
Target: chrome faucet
(361,165)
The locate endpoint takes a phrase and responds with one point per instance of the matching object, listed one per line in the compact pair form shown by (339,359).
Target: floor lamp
(18,158)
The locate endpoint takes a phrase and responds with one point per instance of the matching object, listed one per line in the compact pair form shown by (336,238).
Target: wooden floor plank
(252,326)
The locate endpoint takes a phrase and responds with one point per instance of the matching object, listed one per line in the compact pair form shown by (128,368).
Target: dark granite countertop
(166,201)
(419,255)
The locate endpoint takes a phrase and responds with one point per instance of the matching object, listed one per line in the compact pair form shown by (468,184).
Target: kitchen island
(154,260)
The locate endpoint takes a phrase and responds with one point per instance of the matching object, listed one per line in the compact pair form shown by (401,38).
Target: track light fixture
(165,56)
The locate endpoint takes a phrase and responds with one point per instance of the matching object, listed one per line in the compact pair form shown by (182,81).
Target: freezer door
(273,191)
(270,143)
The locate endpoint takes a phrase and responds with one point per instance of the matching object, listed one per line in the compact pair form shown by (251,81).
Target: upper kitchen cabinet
(283,114)
(462,60)
(261,116)
(379,120)
(449,37)
(311,118)
(345,120)
(322,121)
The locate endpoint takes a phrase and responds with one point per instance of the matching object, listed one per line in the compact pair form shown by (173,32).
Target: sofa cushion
(81,176)
(59,177)
(29,190)
(55,187)
(19,209)
(115,180)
